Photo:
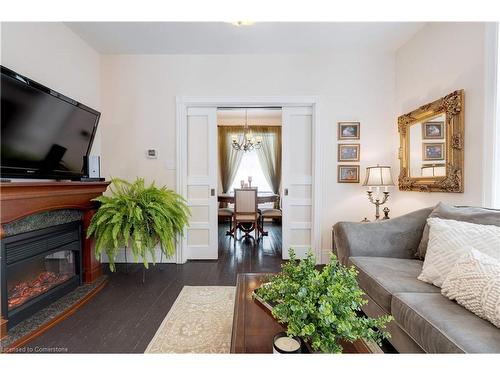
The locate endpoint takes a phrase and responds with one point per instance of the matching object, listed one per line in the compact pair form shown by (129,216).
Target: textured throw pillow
(474,282)
(448,240)
(475,215)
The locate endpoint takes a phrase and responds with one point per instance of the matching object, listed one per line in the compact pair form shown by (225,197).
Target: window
(250,166)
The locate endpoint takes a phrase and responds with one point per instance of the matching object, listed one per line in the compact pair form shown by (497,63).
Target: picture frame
(348,174)
(348,130)
(433,151)
(433,130)
(348,152)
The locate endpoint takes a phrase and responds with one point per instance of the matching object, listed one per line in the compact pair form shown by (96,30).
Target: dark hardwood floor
(125,315)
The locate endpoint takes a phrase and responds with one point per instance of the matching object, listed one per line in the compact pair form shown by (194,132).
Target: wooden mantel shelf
(20,199)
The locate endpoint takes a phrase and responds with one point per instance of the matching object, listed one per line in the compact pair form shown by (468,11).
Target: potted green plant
(138,216)
(322,307)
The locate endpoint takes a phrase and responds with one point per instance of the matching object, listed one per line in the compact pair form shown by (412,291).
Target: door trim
(184,102)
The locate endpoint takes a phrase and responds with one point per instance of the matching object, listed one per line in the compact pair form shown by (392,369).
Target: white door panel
(200,178)
(297,173)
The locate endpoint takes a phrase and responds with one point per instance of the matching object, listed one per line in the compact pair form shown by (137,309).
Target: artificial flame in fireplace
(25,290)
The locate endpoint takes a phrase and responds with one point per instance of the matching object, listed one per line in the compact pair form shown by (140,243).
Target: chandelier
(249,141)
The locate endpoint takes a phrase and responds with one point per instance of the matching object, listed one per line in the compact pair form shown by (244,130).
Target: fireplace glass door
(37,268)
(35,276)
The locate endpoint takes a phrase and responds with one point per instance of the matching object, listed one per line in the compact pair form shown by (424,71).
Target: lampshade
(378,176)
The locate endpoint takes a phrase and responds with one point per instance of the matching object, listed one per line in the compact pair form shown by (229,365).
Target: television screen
(43,133)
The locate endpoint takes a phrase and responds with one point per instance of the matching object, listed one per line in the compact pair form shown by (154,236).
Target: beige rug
(200,321)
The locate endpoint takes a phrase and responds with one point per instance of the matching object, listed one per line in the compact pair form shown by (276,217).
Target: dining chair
(226,214)
(246,211)
(256,189)
(269,213)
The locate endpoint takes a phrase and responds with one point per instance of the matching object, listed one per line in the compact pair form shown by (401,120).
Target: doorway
(197,179)
(249,171)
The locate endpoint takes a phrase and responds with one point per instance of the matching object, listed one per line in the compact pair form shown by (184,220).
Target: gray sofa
(424,320)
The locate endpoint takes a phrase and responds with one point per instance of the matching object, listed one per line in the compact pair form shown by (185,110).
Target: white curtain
(229,158)
(270,155)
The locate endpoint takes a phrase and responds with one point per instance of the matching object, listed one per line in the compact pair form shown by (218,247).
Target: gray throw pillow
(475,215)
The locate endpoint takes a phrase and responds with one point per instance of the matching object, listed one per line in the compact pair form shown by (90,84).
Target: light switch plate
(152,153)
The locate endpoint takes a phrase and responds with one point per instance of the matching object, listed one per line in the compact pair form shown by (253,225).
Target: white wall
(439,59)
(50,53)
(139,91)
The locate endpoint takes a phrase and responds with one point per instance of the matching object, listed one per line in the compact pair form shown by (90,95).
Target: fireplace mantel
(22,199)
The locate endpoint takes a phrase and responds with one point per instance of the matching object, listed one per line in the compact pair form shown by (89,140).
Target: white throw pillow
(448,240)
(474,282)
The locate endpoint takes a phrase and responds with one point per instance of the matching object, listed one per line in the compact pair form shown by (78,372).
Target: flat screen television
(44,134)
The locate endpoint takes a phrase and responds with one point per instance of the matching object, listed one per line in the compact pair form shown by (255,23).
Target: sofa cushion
(449,240)
(439,325)
(474,283)
(475,215)
(381,277)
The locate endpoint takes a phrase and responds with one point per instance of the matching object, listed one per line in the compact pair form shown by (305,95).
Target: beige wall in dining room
(139,93)
(252,116)
(441,58)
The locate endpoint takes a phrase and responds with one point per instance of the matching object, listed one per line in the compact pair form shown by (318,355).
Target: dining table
(262,197)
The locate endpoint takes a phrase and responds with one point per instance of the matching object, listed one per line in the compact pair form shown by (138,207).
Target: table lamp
(378,177)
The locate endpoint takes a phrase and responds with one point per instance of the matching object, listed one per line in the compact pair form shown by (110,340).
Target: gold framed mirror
(431,149)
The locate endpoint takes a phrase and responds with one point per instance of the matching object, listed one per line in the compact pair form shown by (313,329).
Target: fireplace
(39,267)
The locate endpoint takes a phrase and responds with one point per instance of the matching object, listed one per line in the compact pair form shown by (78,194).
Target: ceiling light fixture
(248,142)
(242,23)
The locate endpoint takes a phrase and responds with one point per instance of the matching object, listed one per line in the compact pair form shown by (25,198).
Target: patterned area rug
(200,321)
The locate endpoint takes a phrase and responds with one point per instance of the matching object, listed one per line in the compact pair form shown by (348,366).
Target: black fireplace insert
(39,267)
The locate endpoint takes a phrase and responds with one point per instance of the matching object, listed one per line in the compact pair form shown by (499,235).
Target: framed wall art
(433,130)
(348,130)
(348,152)
(348,174)
(432,151)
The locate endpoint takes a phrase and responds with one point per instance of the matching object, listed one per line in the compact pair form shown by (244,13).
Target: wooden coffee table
(254,327)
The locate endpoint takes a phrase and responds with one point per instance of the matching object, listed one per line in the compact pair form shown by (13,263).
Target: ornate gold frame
(453,106)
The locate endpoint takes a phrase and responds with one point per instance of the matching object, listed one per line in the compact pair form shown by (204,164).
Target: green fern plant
(139,217)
